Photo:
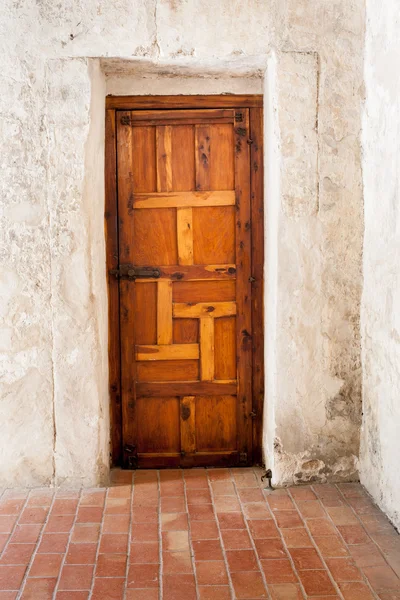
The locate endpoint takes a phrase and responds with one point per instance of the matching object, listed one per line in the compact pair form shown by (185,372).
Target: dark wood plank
(184,388)
(167,116)
(257,257)
(182,102)
(199,459)
(127,313)
(243,286)
(111,235)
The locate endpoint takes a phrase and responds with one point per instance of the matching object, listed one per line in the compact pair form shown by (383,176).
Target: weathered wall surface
(54,403)
(314,223)
(380,315)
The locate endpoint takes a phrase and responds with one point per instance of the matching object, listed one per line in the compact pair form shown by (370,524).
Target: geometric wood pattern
(184,209)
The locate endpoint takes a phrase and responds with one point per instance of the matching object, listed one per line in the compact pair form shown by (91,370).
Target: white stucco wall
(380,448)
(58,61)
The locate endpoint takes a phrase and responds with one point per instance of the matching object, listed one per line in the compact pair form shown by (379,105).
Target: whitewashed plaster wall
(314,224)
(54,403)
(380,316)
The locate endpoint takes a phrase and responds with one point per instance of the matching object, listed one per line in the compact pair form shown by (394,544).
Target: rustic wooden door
(183,181)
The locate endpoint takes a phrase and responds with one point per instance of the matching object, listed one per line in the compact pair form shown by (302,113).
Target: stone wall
(57,62)
(380,316)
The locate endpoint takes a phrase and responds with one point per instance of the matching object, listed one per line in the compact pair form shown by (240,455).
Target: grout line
(15,524)
(34,553)
(286,547)
(369,537)
(232,589)
(67,547)
(160,587)
(190,538)
(98,543)
(251,537)
(335,584)
(128,553)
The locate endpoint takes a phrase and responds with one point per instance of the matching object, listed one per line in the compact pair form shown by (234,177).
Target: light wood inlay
(183,199)
(164,311)
(164,158)
(203,309)
(185,236)
(202,154)
(207,349)
(167,352)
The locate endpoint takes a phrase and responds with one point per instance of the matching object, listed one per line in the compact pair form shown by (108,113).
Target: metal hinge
(131,458)
(131,273)
(243,458)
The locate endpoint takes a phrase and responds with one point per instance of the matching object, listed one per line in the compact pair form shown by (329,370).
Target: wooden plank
(184,101)
(185,236)
(199,459)
(225,348)
(202,156)
(183,162)
(159,420)
(204,291)
(243,286)
(257,260)
(167,352)
(178,122)
(168,370)
(185,388)
(145,304)
(214,234)
(127,320)
(217,416)
(166,116)
(164,158)
(222,164)
(188,424)
(154,239)
(185,331)
(164,312)
(207,348)
(203,309)
(184,199)
(196,272)
(111,236)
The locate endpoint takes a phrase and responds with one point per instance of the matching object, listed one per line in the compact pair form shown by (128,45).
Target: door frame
(120,103)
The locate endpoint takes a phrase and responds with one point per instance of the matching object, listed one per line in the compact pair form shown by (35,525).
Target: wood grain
(184,199)
(164,159)
(164,312)
(185,388)
(168,352)
(111,235)
(202,155)
(184,102)
(203,309)
(207,348)
(216,309)
(243,288)
(257,259)
(185,236)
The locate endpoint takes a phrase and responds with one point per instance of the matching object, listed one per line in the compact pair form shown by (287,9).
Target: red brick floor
(197,534)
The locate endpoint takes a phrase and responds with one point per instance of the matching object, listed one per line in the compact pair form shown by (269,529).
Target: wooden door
(184,214)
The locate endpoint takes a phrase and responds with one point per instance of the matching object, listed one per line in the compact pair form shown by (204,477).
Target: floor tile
(227,540)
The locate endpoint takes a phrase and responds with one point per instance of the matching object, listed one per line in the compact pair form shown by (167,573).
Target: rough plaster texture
(380,316)
(58,61)
(314,225)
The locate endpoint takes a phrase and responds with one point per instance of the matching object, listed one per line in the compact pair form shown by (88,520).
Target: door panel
(186,352)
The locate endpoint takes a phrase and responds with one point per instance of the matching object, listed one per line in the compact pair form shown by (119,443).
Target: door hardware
(131,273)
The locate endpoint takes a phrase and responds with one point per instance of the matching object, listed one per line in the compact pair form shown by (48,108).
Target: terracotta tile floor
(197,534)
